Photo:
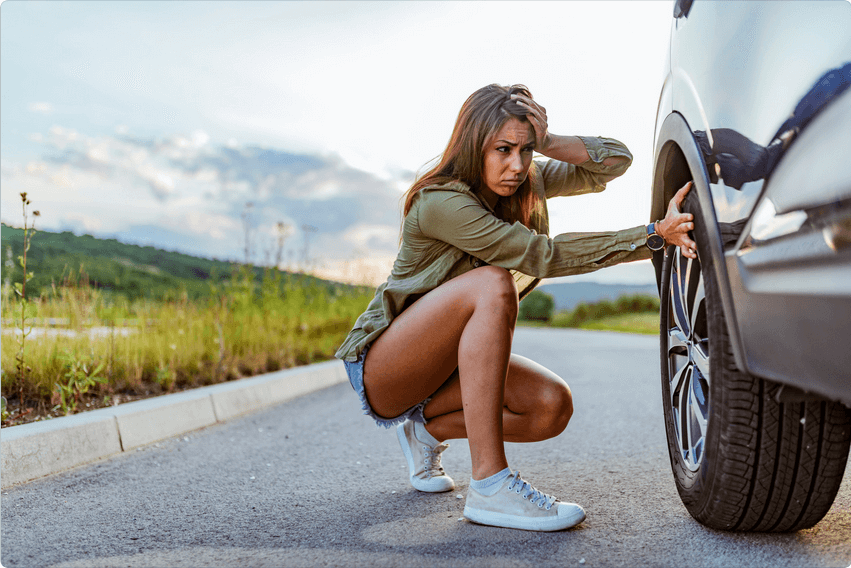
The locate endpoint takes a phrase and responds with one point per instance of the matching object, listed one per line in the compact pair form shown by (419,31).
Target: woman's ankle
(483,471)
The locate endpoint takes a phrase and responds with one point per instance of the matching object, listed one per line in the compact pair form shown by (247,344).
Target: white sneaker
(424,467)
(518,505)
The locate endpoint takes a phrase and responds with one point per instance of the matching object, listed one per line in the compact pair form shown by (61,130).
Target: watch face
(655,242)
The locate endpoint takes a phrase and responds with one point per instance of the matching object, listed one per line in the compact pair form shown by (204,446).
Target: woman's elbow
(617,166)
(622,161)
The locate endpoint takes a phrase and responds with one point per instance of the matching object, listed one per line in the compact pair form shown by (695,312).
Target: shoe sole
(545,524)
(406,450)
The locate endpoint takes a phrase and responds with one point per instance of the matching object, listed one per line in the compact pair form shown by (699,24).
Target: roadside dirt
(37,410)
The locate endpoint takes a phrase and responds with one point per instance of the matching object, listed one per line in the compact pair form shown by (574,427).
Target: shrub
(537,306)
(583,312)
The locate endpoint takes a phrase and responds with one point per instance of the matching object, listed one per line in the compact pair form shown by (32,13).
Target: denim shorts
(355,372)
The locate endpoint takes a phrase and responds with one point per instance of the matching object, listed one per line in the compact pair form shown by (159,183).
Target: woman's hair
(480,118)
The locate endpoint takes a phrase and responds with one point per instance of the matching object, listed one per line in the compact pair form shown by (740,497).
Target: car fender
(678,161)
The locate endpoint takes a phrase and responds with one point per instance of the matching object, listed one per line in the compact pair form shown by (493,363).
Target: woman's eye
(503,149)
(529,149)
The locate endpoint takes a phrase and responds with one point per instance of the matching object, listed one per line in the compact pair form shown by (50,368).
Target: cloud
(203,224)
(375,237)
(87,223)
(186,192)
(40,107)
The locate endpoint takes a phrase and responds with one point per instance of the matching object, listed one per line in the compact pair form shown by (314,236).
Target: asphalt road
(315,483)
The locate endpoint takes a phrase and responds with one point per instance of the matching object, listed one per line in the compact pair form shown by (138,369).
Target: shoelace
(525,489)
(431,459)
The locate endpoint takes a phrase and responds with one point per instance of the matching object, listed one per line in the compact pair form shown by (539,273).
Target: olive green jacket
(450,230)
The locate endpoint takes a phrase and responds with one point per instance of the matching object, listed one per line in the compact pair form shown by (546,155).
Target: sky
(191,125)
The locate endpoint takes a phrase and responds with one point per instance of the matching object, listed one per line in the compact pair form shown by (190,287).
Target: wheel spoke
(685,417)
(699,404)
(697,303)
(691,282)
(676,385)
(697,423)
(677,343)
(678,294)
(701,359)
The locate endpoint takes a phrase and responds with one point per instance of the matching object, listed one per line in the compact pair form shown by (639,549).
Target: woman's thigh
(419,351)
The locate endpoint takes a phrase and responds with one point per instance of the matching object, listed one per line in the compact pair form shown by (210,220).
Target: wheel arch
(679,160)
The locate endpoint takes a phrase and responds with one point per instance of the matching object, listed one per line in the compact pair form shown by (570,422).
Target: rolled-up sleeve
(562,178)
(461,221)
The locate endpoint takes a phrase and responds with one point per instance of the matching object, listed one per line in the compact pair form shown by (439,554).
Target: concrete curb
(35,450)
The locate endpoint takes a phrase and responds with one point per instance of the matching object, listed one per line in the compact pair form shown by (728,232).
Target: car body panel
(737,72)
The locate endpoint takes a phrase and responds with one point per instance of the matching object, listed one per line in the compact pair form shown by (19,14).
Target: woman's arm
(569,149)
(563,179)
(458,219)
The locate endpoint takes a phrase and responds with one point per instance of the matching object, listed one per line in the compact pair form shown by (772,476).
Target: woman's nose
(516,163)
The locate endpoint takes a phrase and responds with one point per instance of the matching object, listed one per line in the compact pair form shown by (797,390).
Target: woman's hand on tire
(674,228)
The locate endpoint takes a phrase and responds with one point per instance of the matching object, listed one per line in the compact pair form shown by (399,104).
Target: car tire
(742,457)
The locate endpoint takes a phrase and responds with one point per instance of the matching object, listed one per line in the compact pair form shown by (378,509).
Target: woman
(432,353)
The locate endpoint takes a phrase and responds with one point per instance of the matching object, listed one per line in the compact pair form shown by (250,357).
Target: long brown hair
(482,115)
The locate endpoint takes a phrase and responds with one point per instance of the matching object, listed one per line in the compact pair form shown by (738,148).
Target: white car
(756,334)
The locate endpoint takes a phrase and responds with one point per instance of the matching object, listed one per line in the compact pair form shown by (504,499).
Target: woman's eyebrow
(530,143)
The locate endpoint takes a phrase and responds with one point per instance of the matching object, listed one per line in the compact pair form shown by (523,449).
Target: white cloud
(202,224)
(195,191)
(87,222)
(40,107)
(370,237)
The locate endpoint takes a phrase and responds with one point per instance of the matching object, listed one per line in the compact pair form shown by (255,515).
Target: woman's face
(507,160)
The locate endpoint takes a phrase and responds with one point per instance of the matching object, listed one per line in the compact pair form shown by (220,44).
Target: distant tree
(537,306)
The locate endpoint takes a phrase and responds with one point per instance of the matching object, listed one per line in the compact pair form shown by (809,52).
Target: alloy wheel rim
(688,358)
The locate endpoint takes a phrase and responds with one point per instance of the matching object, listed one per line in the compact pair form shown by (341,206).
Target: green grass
(133,321)
(645,323)
(241,329)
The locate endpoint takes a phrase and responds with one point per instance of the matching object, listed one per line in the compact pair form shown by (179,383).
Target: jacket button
(632,246)
(476,264)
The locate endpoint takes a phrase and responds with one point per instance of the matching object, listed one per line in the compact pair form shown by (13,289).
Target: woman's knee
(495,285)
(554,409)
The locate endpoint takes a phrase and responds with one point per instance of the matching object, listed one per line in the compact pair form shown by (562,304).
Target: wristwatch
(654,240)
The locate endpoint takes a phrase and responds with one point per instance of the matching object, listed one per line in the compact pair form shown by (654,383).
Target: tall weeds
(27,309)
(244,327)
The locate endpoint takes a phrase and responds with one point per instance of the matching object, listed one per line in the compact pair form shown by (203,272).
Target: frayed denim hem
(355,372)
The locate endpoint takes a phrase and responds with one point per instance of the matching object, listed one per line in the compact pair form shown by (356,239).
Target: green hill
(114,267)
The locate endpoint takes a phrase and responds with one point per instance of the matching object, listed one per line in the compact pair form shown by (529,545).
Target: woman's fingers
(683,220)
(536,111)
(531,103)
(679,236)
(688,252)
(675,227)
(682,223)
(681,194)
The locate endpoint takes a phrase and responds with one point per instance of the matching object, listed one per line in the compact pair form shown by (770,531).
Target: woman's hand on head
(674,228)
(537,116)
